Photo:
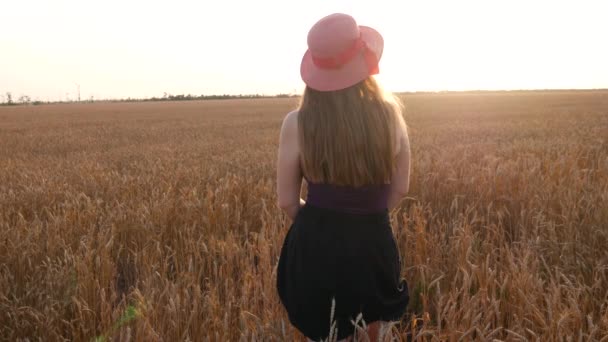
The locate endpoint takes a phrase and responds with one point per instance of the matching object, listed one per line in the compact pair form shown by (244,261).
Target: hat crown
(332,35)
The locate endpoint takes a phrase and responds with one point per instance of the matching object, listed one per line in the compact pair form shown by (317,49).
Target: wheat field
(157,221)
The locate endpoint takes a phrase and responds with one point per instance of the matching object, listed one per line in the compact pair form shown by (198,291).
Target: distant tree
(9,98)
(24,99)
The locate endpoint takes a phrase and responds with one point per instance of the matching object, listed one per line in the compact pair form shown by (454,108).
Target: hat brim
(348,74)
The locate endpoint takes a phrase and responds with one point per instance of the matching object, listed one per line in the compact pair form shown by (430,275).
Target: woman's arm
(289,175)
(400,182)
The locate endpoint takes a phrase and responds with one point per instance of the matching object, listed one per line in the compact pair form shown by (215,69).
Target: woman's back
(349,137)
(340,246)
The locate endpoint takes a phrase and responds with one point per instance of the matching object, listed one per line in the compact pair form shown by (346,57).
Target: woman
(348,140)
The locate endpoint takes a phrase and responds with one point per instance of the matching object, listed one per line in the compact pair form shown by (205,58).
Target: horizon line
(232,96)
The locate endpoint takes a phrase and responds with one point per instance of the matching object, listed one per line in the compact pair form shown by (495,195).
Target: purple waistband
(362,200)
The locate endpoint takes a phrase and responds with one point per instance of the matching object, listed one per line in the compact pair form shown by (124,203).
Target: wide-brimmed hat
(340,53)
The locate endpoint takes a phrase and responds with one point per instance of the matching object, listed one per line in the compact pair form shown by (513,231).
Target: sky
(127,48)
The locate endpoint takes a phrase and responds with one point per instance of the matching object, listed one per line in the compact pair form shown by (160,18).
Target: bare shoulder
(290,123)
(400,132)
(402,127)
(291,118)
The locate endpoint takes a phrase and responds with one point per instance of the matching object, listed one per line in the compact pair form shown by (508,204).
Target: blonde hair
(348,137)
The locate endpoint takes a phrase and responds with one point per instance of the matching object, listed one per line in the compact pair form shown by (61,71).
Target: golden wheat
(157,221)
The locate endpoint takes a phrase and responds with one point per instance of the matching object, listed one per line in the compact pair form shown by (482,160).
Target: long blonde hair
(348,137)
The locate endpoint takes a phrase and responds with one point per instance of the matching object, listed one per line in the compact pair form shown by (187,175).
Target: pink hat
(340,53)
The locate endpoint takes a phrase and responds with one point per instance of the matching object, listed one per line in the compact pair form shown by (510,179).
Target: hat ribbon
(347,55)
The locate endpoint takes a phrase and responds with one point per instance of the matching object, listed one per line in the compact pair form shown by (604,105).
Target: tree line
(8,99)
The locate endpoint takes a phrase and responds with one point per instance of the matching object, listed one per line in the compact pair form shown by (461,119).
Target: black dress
(350,258)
